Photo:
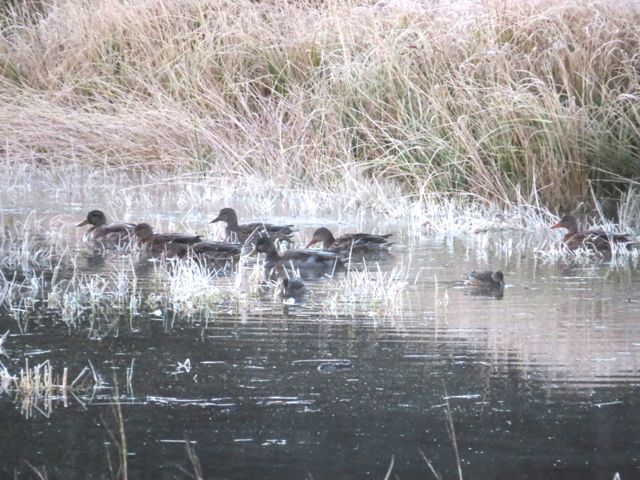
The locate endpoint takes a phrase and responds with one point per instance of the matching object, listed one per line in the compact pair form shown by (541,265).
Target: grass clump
(504,100)
(36,388)
(195,289)
(368,291)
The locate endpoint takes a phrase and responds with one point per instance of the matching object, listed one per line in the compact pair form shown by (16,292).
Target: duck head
(265,245)
(143,232)
(95,218)
(498,277)
(323,235)
(226,215)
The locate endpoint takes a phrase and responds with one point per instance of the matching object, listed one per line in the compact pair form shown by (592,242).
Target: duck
(594,238)
(250,231)
(351,243)
(292,288)
(295,258)
(106,236)
(168,244)
(487,279)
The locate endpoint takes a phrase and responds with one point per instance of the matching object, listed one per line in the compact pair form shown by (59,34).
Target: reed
(36,388)
(194,289)
(507,101)
(368,291)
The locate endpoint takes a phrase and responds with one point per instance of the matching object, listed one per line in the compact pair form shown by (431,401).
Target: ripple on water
(548,371)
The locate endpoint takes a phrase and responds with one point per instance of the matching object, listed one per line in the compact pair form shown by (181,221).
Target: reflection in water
(494,292)
(541,384)
(94,262)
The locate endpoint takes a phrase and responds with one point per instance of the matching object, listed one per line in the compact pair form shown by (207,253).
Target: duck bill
(312,242)
(557,225)
(83,223)
(217,219)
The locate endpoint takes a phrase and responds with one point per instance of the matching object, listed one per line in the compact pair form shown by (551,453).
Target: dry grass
(527,102)
(37,388)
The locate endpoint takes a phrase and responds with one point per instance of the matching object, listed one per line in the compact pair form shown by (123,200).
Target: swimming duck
(106,236)
(167,244)
(484,279)
(250,231)
(354,243)
(296,258)
(595,238)
(292,288)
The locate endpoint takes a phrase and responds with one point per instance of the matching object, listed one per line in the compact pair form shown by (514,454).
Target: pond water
(542,381)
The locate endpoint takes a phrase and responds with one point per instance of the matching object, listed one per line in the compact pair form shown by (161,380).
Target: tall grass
(505,100)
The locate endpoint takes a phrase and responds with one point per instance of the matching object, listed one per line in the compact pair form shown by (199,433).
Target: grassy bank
(533,102)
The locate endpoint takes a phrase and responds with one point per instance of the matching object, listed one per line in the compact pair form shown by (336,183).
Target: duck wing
(479,278)
(217,250)
(278,229)
(363,240)
(177,238)
(310,256)
(595,238)
(112,236)
(118,227)
(250,232)
(157,247)
(611,237)
(265,227)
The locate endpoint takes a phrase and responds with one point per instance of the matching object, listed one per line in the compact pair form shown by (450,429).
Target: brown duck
(250,231)
(354,243)
(106,236)
(167,244)
(487,279)
(594,238)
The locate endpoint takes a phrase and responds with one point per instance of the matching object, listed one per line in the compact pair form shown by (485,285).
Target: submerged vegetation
(508,101)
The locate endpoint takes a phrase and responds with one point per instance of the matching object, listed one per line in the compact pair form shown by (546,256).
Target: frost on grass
(191,287)
(196,288)
(368,291)
(28,245)
(96,296)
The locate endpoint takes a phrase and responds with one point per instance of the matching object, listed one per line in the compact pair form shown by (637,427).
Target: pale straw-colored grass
(38,388)
(526,102)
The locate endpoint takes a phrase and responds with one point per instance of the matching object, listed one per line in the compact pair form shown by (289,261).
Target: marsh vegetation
(465,129)
(511,102)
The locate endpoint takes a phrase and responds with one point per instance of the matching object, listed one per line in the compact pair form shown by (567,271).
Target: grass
(368,290)
(119,439)
(500,101)
(28,246)
(36,388)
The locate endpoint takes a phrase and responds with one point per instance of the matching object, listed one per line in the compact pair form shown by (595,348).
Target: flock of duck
(265,237)
(262,237)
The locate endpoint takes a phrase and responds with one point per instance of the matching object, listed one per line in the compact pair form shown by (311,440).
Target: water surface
(540,381)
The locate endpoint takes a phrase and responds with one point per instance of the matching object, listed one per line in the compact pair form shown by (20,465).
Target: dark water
(541,383)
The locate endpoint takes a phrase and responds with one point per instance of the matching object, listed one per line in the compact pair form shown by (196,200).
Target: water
(542,382)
